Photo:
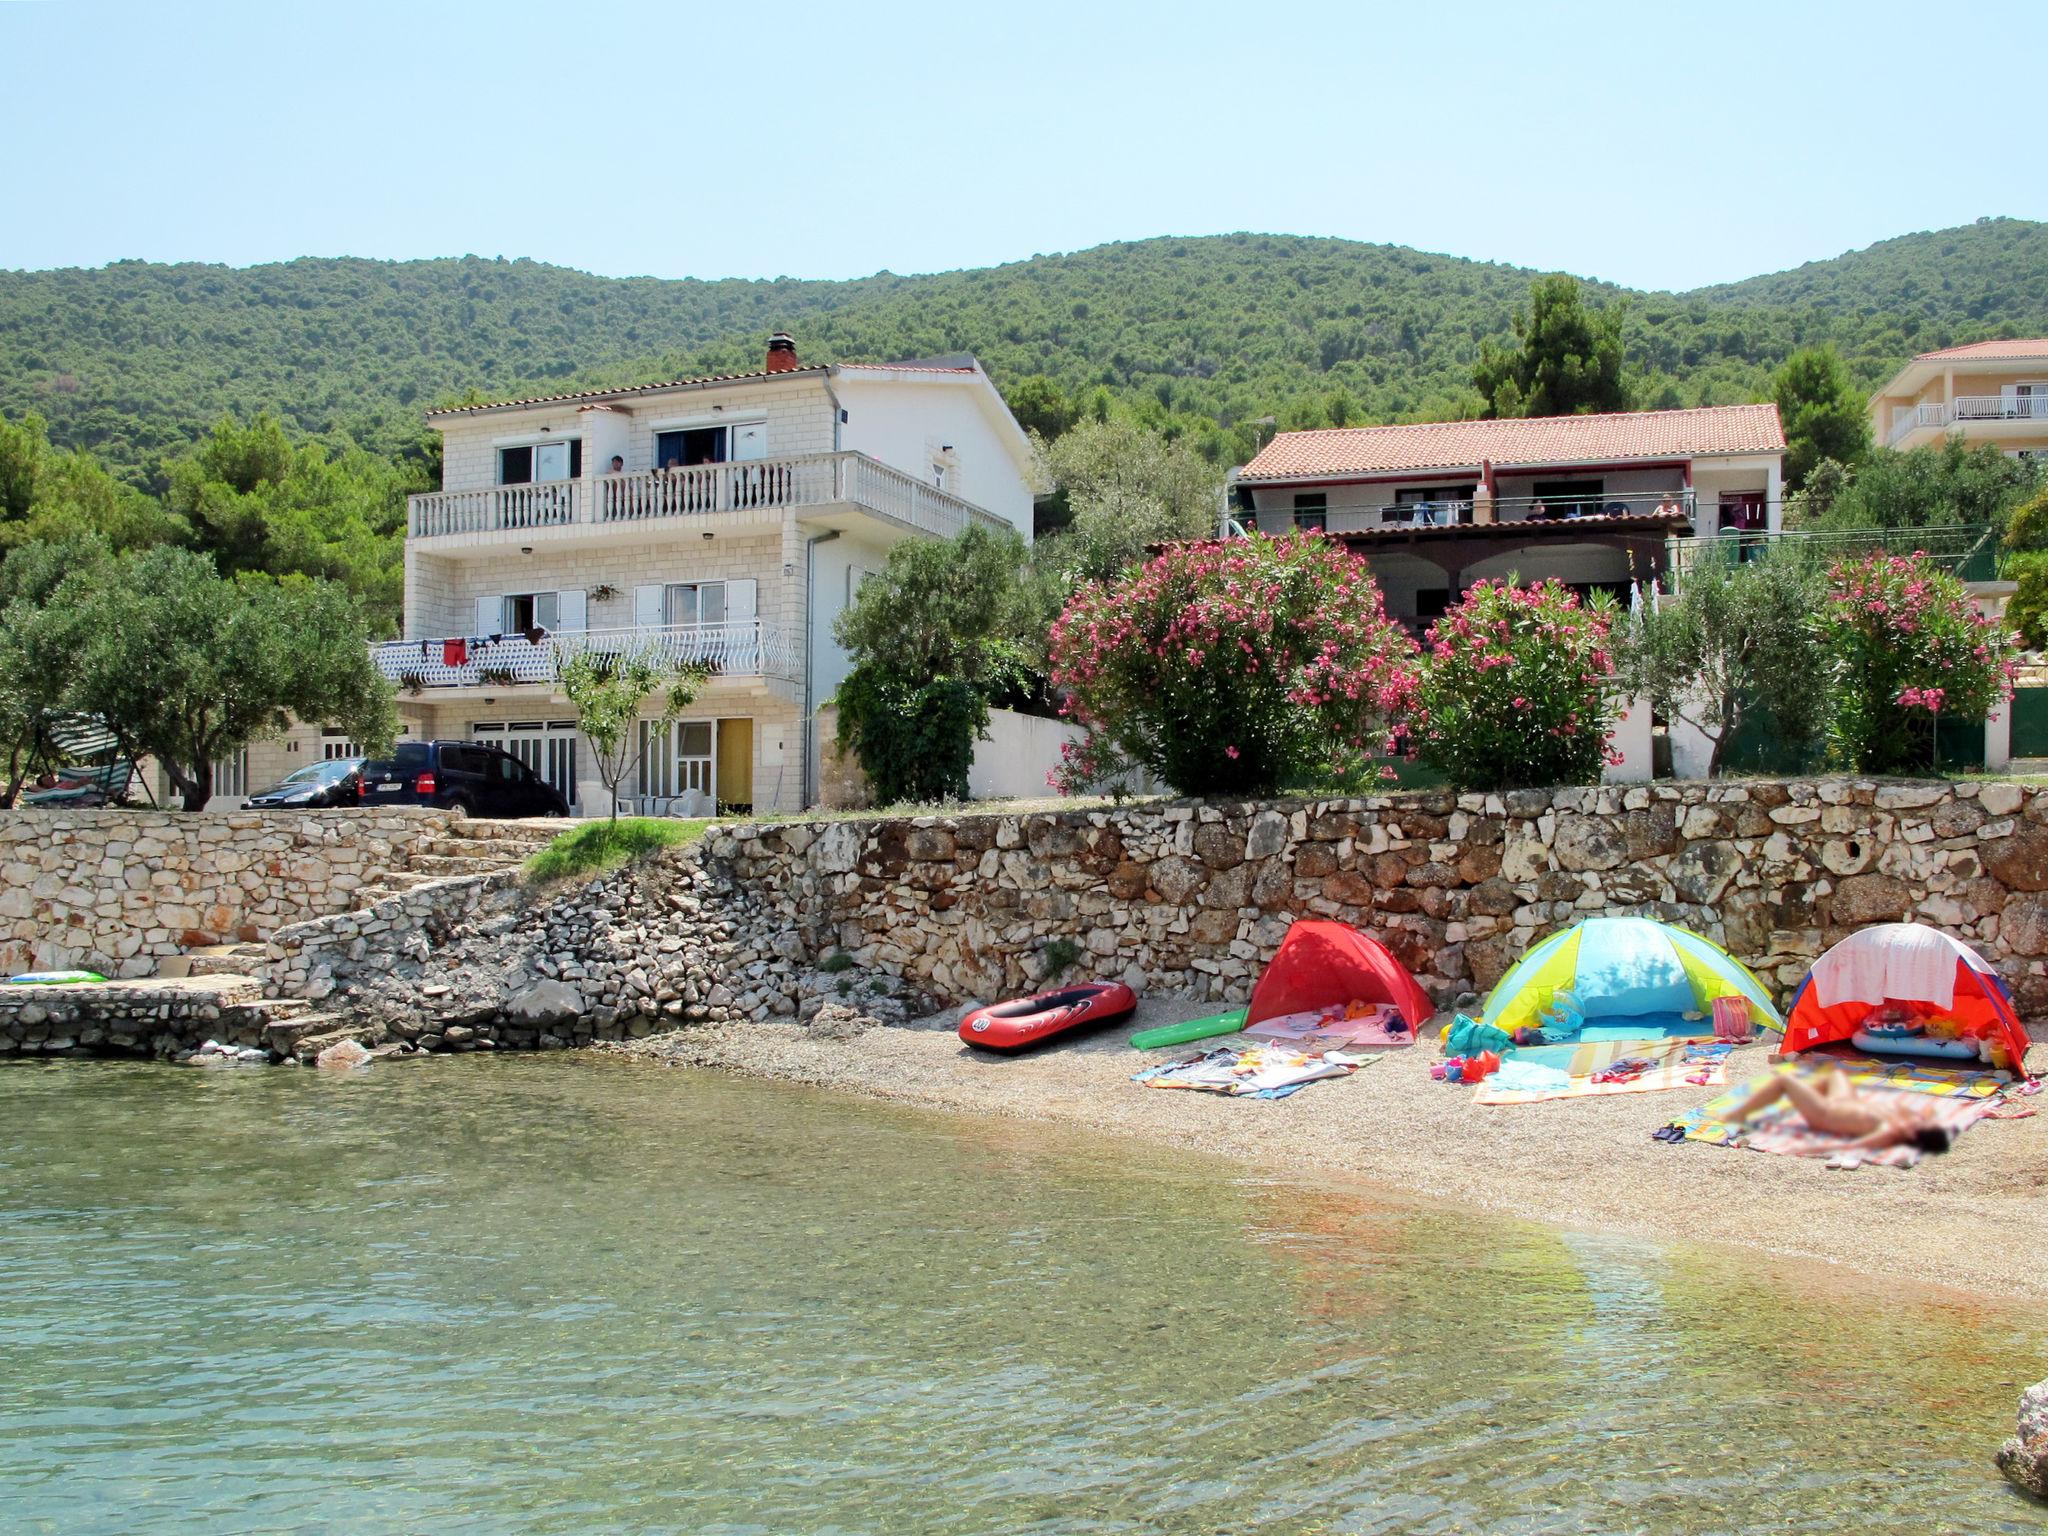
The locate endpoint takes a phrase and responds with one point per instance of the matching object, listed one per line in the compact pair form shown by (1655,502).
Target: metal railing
(1965,550)
(736,648)
(699,491)
(1518,509)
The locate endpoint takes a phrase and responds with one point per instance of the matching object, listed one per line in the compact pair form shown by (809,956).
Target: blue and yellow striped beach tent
(1627,973)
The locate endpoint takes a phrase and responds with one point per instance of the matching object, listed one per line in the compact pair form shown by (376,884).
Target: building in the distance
(1992,392)
(1588,500)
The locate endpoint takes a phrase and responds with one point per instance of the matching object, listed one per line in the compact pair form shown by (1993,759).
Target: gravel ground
(1975,1219)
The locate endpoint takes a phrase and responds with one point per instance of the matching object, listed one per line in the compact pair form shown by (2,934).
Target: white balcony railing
(2000,408)
(737,648)
(701,491)
(1908,419)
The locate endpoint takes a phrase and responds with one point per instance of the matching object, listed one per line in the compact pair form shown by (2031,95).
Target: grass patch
(598,846)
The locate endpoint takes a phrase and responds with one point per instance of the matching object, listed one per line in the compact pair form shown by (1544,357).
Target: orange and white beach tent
(1911,966)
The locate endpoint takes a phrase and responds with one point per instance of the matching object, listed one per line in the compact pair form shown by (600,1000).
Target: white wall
(1020,751)
(1631,740)
(908,424)
(837,567)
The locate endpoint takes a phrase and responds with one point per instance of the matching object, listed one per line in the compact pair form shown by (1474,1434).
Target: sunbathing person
(1831,1104)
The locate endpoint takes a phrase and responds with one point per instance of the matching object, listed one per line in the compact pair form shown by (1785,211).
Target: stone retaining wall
(114,890)
(1196,897)
(139,1018)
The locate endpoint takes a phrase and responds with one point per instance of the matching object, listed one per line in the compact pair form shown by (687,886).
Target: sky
(1656,145)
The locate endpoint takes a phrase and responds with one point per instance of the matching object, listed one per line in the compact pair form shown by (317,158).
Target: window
(557,459)
(1312,510)
(1431,505)
(1569,498)
(739,442)
(939,473)
(1432,602)
(530,610)
(701,602)
(676,759)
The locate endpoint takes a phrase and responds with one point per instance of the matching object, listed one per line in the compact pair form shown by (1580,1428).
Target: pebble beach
(1974,1220)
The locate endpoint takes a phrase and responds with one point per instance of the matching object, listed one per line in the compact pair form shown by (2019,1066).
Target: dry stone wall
(1196,897)
(115,891)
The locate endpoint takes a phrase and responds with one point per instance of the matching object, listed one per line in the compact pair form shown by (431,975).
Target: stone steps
(438,866)
(284,1036)
(263,1014)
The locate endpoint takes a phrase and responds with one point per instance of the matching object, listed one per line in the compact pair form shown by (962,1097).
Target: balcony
(1535,509)
(701,493)
(741,648)
(1908,419)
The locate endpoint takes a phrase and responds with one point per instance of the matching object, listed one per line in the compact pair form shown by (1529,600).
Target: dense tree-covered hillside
(1200,336)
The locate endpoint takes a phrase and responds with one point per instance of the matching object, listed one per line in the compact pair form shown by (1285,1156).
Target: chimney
(781,353)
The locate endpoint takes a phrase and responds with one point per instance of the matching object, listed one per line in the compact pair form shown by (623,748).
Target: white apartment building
(728,520)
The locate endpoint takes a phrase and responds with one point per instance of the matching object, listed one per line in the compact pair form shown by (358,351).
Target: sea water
(589,1295)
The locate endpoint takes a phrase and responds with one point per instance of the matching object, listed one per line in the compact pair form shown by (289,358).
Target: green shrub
(914,742)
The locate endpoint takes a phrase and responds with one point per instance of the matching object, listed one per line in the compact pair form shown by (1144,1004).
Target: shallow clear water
(544,1295)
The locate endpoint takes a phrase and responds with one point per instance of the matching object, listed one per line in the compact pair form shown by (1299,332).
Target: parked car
(462,776)
(334,782)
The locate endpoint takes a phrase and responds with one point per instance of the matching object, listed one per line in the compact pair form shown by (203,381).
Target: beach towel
(1608,1066)
(1253,1071)
(1915,1074)
(1913,962)
(1329,1029)
(1780,1128)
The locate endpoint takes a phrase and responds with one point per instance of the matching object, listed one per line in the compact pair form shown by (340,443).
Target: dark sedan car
(335,782)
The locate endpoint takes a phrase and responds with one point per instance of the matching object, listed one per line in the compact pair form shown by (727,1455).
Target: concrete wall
(1196,897)
(911,423)
(116,891)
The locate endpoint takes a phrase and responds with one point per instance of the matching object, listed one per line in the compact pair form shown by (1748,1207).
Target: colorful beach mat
(1780,1128)
(1667,1064)
(1255,1071)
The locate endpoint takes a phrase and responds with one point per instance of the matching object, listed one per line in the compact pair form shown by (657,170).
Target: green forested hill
(1202,334)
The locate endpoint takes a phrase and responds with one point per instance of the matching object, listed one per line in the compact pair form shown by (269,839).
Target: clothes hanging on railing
(454,653)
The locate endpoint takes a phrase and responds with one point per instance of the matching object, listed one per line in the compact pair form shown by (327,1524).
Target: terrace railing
(699,491)
(1908,419)
(1515,509)
(737,648)
(1967,551)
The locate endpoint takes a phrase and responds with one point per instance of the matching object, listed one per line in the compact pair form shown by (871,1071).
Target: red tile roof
(1987,351)
(630,389)
(1464,445)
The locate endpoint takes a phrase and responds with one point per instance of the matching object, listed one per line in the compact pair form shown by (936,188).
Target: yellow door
(736,765)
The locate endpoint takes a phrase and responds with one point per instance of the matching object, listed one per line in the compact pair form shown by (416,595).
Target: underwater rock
(2024,1456)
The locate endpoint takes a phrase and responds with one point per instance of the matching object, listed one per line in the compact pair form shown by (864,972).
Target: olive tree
(609,690)
(1737,637)
(187,666)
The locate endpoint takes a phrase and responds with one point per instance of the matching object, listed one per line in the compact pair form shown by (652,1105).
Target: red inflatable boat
(1028,1020)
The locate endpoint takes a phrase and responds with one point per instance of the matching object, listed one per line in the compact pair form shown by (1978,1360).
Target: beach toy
(1195,1029)
(1026,1021)
(1731,1018)
(54,978)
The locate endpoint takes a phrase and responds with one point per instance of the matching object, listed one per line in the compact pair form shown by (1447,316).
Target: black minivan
(462,776)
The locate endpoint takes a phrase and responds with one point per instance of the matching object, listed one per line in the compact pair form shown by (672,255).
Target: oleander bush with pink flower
(1517,687)
(1907,648)
(1234,668)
